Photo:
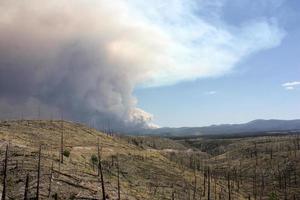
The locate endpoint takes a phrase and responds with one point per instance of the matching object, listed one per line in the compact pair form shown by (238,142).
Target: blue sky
(253,86)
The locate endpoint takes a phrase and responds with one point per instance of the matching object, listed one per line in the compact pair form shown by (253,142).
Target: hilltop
(252,127)
(145,172)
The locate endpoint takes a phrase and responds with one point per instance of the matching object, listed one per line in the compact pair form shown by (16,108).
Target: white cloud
(211,92)
(294,83)
(291,85)
(290,88)
(191,46)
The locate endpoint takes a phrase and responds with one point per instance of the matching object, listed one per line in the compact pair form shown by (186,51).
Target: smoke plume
(84,58)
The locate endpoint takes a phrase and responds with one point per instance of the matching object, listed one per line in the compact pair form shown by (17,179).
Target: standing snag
(5,174)
(101,172)
(118,171)
(208,186)
(26,187)
(38,174)
(228,186)
(50,181)
(195,183)
(62,142)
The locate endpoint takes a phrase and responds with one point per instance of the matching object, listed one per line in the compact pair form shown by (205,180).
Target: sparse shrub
(273,196)
(135,142)
(66,153)
(94,159)
(55,196)
(72,197)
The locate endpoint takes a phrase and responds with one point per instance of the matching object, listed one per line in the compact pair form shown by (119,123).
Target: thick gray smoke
(84,58)
(56,57)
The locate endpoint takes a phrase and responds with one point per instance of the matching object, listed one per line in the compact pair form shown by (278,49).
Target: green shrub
(94,159)
(273,196)
(66,153)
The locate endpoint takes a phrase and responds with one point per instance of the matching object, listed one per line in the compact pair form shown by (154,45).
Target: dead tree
(118,171)
(262,183)
(215,187)
(240,182)
(255,174)
(295,149)
(236,180)
(255,153)
(228,186)
(173,192)
(208,184)
(204,183)
(285,186)
(298,142)
(62,142)
(187,188)
(26,187)
(100,172)
(5,174)
(254,185)
(50,181)
(38,174)
(279,178)
(195,182)
(271,153)
(295,177)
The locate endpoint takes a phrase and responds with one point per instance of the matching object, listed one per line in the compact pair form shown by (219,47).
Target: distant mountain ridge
(258,125)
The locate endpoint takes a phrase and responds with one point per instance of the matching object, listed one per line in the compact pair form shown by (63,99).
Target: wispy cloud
(196,47)
(291,85)
(211,92)
(294,83)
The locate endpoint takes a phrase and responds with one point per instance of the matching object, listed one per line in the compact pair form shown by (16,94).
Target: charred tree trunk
(50,181)
(215,187)
(295,177)
(241,179)
(254,186)
(173,193)
(263,184)
(5,174)
(298,142)
(62,142)
(101,172)
(255,180)
(285,186)
(255,153)
(279,180)
(26,187)
(228,186)
(195,183)
(204,183)
(208,184)
(38,174)
(271,153)
(118,171)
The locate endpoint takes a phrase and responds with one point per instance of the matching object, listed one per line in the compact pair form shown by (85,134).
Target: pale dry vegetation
(143,167)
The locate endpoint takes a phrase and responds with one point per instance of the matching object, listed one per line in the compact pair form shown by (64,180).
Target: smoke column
(84,58)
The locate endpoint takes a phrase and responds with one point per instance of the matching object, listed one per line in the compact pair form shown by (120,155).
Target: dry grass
(145,174)
(151,167)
